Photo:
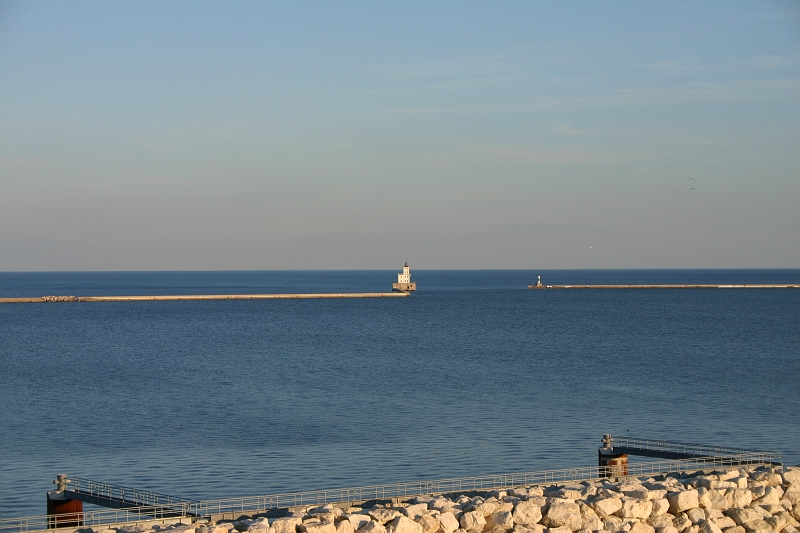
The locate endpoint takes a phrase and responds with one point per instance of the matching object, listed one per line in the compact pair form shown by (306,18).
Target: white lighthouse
(404,282)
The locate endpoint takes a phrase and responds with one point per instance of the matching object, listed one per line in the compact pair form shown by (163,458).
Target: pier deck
(188,297)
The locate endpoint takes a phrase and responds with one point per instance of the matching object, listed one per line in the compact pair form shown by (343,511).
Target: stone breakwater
(190,297)
(733,501)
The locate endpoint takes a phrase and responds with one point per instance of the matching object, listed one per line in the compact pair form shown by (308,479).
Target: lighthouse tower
(404,282)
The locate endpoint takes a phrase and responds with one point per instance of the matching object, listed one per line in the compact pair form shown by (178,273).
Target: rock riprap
(745,500)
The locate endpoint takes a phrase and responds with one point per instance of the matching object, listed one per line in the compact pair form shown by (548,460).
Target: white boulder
(773,479)
(345,526)
(632,508)
(536,528)
(144,528)
(499,519)
(724,522)
(743,516)
(359,520)
(639,493)
(315,526)
(472,521)
(439,503)
(571,493)
(449,522)
(758,526)
(681,522)
(178,528)
(615,524)
(738,498)
(606,506)
(772,495)
(562,529)
(430,524)
(563,513)
(660,521)
(776,522)
(286,525)
(527,513)
(639,527)
(414,511)
(488,507)
(791,476)
(707,482)
(729,475)
(683,501)
(709,527)
(372,527)
(660,506)
(403,524)
(383,516)
(713,499)
(696,515)
(740,482)
(757,490)
(792,495)
(589,519)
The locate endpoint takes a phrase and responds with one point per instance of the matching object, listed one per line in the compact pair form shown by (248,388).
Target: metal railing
(125,494)
(683,447)
(181,508)
(94,518)
(480,483)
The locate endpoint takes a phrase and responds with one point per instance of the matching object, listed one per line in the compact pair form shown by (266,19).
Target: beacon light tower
(404,283)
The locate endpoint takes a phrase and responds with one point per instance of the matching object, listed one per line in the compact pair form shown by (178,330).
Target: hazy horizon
(398,269)
(206,136)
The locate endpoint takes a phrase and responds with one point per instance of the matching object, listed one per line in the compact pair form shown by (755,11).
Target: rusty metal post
(611,464)
(61,511)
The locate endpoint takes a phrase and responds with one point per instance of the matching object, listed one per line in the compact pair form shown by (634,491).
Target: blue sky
(322,135)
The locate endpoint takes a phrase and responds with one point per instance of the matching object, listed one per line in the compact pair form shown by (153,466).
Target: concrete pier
(692,286)
(188,297)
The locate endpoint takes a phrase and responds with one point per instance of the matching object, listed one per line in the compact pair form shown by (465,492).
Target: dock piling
(62,511)
(612,463)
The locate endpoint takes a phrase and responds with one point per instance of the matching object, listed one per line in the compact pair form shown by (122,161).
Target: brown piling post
(611,464)
(61,511)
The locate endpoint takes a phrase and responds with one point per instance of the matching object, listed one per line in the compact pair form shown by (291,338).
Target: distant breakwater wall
(690,286)
(189,297)
(743,500)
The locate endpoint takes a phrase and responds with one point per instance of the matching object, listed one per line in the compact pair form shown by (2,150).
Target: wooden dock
(190,297)
(691,286)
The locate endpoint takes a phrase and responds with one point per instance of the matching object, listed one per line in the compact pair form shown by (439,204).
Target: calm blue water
(473,374)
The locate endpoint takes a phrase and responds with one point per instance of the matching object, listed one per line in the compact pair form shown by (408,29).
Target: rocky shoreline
(745,500)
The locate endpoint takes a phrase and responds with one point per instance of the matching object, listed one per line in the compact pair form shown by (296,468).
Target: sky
(359,135)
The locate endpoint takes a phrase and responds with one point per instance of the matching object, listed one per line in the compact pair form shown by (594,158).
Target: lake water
(473,374)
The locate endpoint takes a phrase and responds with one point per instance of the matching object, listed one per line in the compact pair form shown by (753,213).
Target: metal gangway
(116,496)
(672,450)
(127,505)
